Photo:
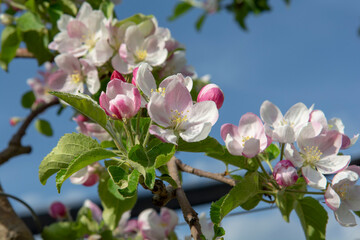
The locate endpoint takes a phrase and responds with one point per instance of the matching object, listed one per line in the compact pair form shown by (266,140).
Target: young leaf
(85,105)
(10,42)
(207,145)
(161,153)
(113,207)
(88,157)
(200,22)
(43,127)
(313,218)
(36,43)
(180,9)
(63,230)
(272,152)
(28,99)
(30,22)
(69,147)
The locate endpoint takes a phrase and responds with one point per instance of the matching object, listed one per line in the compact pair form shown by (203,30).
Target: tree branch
(216,176)
(23,53)
(190,216)
(14,147)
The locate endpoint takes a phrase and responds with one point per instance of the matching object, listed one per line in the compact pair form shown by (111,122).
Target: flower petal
(332,199)
(229,128)
(158,110)
(270,113)
(313,178)
(251,148)
(145,80)
(234,147)
(203,112)
(333,164)
(177,97)
(344,216)
(196,132)
(297,114)
(165,135)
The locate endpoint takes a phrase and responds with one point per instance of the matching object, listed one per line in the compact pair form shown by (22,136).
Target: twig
(24,53)
(190,216)
(15,148)
(216,176)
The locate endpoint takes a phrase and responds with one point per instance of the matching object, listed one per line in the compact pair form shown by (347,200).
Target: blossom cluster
(311,146)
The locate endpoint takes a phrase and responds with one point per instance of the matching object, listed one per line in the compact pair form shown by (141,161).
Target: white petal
(145,80)
(120,65)
(165,135)
(332,199)
(297,114)
(345,177)
(344,216)
(333,164)
(251,148)
(68,63)
(270,113)
(203,112)
(158,111)
(284,134)
(196,132)
(293,155)
(177,97)
(336,124)
(319,116)
(353,198)
(234,147)
(313,178)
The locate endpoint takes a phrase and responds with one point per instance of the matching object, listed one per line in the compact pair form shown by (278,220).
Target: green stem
(282,151)
(129,133)
(147,135)
(138,122)
(269,164)
(36,218)
(262,168)
(118,143)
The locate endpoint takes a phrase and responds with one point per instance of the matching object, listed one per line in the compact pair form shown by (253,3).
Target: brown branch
(216,176)
(11,226)
(190,216)
(23,53)
(14,147)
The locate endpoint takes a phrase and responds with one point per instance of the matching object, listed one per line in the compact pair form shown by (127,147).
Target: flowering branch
(216,176)
(15,148)
(190,216)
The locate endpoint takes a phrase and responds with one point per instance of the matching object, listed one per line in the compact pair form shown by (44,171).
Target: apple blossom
(333,124)
(211,92)
(343,195)
(121,100)
(95,210)
(174,110)
(58,210)
(177,63)
(154,226)
(88,128)
(77,72)
(318,154)
(15,120)
(285,173)
(247,139)
(284,129)
(86,176)
(85,35)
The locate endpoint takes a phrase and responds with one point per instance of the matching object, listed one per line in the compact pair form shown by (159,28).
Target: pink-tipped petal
(332,199)
(228,128)
(313,178)
(165,135)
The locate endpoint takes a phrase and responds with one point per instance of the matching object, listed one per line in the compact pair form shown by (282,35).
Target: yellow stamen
(312,154)
(140,55)
(177,118)
(76,77)
(244,139)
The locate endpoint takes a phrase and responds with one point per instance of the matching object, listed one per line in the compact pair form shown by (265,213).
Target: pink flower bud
(14,121)
(121,100)
(92,180)
(133,81)
(95,210)
(58,210)
(117,75)
(285,173)
(211,92)
(81,118)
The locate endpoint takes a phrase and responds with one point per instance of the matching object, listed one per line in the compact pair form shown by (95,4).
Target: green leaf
(86,158)
(36,43)
(69,147)
(123,185)
(107,7)
(113,207)
(215,210)
(10,42)
(161,153)
(238,161)
(28,99)
(252,202)
(169,179)
(68,7)
(207,145)
(43,127)
(150,177)
(272,152)
(137,19)
(63,230)
(139,159)
(200,22)
(29,22)
(85,105)
(180,9)
(313,218)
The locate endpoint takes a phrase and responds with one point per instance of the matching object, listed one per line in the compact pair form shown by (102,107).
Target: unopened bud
(58,210)
(15,120)
(285,173)
(117,75)
(211,92)
(92,180)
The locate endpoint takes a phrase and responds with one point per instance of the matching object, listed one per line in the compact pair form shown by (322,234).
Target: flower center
(244,139)
(89,40)
(177,118)
(76,77)
(343,191)
(283,122)
(140,55)
(312,154)
(159,90)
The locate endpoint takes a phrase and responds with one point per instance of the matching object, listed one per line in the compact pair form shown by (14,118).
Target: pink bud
(211,92)
(58,210)
(133,81)
(81,118)
(92,180)
(285,173)
(117,75)
(14,121)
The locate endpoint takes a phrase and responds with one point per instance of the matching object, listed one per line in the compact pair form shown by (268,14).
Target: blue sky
(306,52)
